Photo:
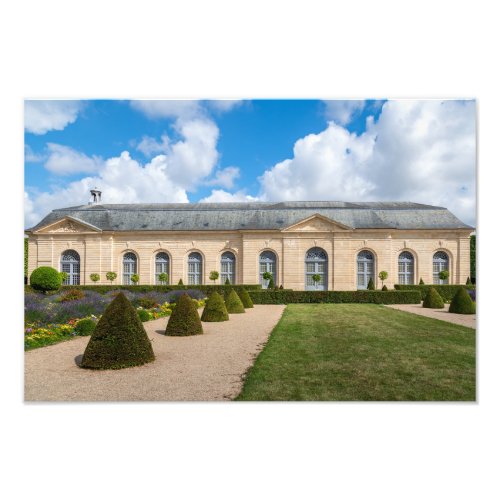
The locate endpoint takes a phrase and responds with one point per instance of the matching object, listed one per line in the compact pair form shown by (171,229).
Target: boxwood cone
(234,304)
(245,298)
(185,319)
(370,285)
(119,339)
(215,309)
(433,300)
(462,303)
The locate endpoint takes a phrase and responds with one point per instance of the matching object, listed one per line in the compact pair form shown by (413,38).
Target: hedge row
(447,292)
(334,297)
(154,288)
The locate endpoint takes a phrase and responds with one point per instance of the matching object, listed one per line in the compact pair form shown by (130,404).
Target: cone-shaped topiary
(180,282)
(384,289)
(370,286)
(119,339)
(462,303)
(468,282)
(421,282)
(270,286)
(215,309)
(433,300)
(234,304)
(245,298)
(185,319)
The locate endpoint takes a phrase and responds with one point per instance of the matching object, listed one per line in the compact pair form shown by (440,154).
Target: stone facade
(101,251)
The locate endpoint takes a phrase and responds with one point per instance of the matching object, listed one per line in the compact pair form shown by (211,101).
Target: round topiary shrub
(245,298)
(433,300)
(143,315)
(185,319)
(384,288)
(85,327)
(215,309)
(119,340)
(234,304)
(45,279)
(462,303)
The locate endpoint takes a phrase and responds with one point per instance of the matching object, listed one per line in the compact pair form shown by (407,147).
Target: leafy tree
(214,276)
(383,275)
(444,275)
(134,279)
(163,278)
(95,277)
(111,276)
(316,278)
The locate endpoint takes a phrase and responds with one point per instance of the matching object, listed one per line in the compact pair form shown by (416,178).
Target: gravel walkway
(206,367)
(442,314)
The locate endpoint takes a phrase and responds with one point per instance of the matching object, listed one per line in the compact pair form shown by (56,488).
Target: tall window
(194,268)
(161,266)
(316,263)
(267,264)
(70,264)
(366,268)
(439,263)
(129,267)
(406,268)
(227,266)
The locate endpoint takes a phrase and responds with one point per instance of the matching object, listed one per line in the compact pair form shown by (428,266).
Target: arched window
(406,268)
(439,263)
(366,268)
(316,263)
(267,264)
(227,266)
(194,268)
(162,265)
(70,264)
(129,267)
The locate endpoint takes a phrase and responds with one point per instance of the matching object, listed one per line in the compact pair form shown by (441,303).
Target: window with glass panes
(366,267)
(406,268)
(194,268)
(129,267)
(162,262)
(316,262)
(267,264)
(439,263)
(227,267)
(70,264)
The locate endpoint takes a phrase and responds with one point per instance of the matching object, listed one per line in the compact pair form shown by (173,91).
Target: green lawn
(362,352)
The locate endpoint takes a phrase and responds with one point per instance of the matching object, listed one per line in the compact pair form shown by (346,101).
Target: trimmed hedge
(335,297)
(185,319)
(433,300)
(215,309)
(119,340)
(102,289)
(447,292)
(462,303)
(234,304)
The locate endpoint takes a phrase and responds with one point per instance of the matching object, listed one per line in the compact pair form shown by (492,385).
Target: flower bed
(53,318)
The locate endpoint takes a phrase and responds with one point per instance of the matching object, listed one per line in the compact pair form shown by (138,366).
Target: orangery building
(343,243)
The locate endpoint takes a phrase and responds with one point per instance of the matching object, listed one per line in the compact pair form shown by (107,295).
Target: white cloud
(225,177)
(30,156)
(342,111)
(420,151)
(64,160)
(149,146)
(43,116)
(221,196)
(224,105)
(168,108)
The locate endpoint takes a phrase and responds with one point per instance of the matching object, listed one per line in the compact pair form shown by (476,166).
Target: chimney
(96,196)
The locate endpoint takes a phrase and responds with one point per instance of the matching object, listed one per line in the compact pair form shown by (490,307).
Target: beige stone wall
(101,252)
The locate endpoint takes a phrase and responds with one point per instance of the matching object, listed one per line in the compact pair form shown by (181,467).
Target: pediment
(317,223)
(68,225)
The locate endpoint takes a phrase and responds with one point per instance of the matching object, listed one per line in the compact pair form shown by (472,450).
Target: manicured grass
(363,352)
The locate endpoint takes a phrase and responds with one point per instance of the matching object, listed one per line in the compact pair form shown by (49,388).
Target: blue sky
(180,151)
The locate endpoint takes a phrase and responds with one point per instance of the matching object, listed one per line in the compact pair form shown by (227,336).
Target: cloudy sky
(188,151)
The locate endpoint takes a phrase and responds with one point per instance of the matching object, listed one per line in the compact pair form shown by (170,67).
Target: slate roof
(256,215)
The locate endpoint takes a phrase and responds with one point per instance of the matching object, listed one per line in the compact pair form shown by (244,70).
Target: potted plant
(383,275)
(316,278)
(265,279)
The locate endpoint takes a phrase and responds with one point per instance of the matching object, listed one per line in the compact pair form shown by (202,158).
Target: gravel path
(442,314)
(206,367)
